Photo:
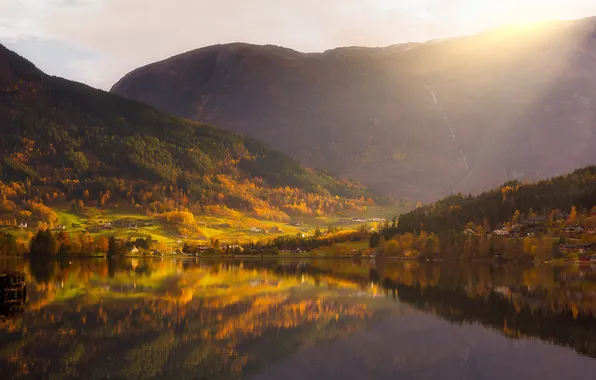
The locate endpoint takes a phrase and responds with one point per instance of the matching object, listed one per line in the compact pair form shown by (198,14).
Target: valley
(297,190)
(77,162)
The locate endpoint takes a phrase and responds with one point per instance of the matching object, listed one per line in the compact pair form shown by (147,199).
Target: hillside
(413,120)
(492,208)
(64,140)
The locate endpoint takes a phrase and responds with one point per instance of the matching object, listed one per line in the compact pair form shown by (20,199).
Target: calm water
(325,319)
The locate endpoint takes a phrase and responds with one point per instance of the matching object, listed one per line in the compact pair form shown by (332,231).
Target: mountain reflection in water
(135,318)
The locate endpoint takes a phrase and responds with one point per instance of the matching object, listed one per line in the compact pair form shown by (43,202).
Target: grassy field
(345,248)
(230,226)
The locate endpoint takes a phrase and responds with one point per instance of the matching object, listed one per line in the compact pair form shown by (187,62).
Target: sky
(98,41)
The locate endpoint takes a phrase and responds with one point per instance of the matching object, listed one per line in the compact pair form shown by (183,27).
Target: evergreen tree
(374,239)
(43,244)
(112,248)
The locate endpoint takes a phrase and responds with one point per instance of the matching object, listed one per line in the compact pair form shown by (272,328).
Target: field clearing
(344,248)
(230,226)
(67,218)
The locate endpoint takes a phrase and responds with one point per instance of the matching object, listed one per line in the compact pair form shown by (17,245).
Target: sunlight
(488,13)
(485,14)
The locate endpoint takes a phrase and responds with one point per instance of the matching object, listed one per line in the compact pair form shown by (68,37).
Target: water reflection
(145,318)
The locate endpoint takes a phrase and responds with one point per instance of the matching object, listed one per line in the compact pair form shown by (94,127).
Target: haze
(98,41)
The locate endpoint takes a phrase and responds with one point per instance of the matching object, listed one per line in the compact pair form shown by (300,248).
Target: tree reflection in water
(146,318)
(135,318)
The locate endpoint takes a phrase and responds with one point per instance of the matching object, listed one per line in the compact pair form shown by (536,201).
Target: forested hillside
(546,220)
(62,139)
(489,209)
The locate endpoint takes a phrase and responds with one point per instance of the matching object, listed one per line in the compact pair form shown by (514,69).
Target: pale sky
(98,41)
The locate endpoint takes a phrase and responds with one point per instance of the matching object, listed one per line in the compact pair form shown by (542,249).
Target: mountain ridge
(419,120)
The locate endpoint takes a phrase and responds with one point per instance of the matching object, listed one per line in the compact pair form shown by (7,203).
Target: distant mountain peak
(505,98)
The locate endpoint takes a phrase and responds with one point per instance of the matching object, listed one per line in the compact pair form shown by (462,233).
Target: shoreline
(293,257)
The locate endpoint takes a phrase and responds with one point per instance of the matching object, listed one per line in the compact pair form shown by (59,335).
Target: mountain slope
(414,120)
(497,206)
(65,134)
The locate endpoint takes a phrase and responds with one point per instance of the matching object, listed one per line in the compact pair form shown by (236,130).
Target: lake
(299,319)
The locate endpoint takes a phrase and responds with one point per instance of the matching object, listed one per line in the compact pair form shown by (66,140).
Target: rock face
(413,120)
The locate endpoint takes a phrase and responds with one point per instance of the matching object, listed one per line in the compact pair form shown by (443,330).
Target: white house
(255,229)
(235,247)
(134,250)
(469,231)
(575,229)
(501,231)
(23,225)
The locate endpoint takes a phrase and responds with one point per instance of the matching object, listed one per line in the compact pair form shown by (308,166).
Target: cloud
(126,34)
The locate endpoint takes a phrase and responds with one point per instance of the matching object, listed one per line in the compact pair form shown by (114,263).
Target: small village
(576,232)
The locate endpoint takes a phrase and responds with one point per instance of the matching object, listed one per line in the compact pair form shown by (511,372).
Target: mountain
(413,120)
(71,137)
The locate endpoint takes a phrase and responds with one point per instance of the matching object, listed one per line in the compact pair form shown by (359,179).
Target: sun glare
(483,14)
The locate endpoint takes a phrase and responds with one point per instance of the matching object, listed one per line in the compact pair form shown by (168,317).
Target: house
(503,231)
(574,229)
(296,223)
(358,220)
(61,227)
(23,225)
(574,248)
(537,228)
(131,225)
(591,230)
(469,231)
(275,230)
(518,230)
(134,250)
(107,226)
(255,229)
(202,249)
(235,248)
(533,220)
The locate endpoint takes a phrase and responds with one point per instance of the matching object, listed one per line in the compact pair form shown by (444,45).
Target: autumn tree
(101,244)
(392,248)
(572,216)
